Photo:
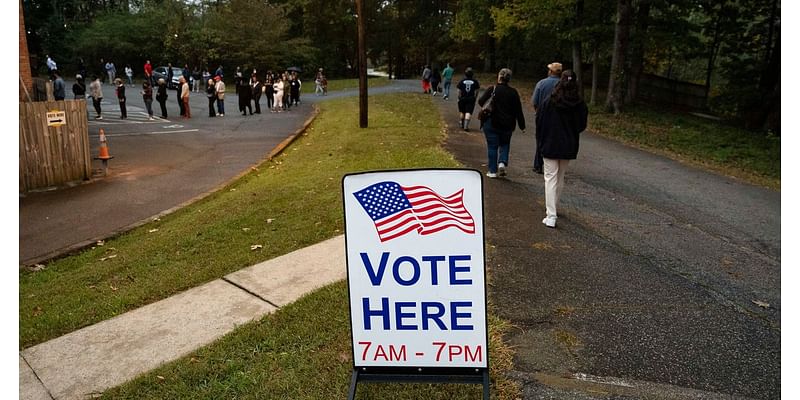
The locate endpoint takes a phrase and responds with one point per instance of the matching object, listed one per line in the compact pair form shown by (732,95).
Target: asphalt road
(648,287)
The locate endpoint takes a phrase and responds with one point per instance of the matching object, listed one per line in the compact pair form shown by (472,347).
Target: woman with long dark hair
(559,123)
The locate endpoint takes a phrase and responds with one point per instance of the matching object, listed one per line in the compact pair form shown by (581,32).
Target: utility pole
(362,65)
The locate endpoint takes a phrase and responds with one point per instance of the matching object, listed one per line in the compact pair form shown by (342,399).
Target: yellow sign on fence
(56,118)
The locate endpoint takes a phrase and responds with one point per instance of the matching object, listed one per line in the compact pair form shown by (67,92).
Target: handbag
(487,109)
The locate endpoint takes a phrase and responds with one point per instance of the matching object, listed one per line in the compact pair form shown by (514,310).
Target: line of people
(282,91)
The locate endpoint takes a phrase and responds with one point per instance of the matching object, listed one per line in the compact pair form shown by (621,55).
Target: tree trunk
(615,99)
(712,52)
(595,69)
(577,55)
(637,56)
(489,61)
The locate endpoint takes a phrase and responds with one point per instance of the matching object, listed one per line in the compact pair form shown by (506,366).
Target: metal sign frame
(420,374)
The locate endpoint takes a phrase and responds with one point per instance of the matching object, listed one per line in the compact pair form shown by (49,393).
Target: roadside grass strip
(750,156)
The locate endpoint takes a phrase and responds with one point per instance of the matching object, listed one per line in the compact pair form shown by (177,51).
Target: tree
(615,99)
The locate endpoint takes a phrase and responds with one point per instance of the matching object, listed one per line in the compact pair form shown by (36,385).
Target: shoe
(538,170)
(549,222)
(98,117)
(434,94)
(501,169)
(491,175)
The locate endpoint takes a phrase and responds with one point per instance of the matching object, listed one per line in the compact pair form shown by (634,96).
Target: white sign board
(415,268)
(56,118)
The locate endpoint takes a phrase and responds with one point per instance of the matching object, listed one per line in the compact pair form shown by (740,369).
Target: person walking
(59,87)
(560,120)
(318,83)
(220,87)
(447,78)
(147,96)
(148,72)
(499,126)
(211,93)
(187,75)
(170,75)
(161,96)
(206,75)
(278,87)
(542,91)
(436,79)
(179,96)
(81,67)
(196,79)
(96,91)
(426,79)
(79,88)
(129,74)
(257,89)
(111,71)
(187,112)
(245,93)
(51,67)
(294,89)
(123,109)
(467,94)
(269,90)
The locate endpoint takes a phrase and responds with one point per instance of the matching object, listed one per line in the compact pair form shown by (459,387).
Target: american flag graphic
(397,210)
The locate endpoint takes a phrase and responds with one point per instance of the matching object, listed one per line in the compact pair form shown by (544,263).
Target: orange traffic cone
(103,147)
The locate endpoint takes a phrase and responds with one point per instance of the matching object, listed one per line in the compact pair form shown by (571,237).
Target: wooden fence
(53,156)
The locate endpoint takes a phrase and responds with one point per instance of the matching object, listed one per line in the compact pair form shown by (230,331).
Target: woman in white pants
(278,87)
(559,123)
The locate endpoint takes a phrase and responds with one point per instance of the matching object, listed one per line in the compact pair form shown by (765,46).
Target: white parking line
(149,133)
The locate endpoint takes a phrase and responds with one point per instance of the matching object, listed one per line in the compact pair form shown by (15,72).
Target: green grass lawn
(751,156)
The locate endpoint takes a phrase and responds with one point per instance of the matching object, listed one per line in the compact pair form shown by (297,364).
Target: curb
(71,249)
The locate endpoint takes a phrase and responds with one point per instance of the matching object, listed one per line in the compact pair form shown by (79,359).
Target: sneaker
(491,175)
(501,169)
(549,222)
(98,117)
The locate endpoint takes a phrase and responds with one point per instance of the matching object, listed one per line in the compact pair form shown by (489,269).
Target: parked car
(161,72)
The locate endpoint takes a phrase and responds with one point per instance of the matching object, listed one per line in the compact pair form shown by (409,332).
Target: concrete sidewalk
(88,361)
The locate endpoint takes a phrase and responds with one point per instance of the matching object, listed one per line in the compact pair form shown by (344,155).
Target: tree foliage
(730,46)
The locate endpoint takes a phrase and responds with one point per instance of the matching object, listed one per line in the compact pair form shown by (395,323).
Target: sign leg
(486,384)
(353,383)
